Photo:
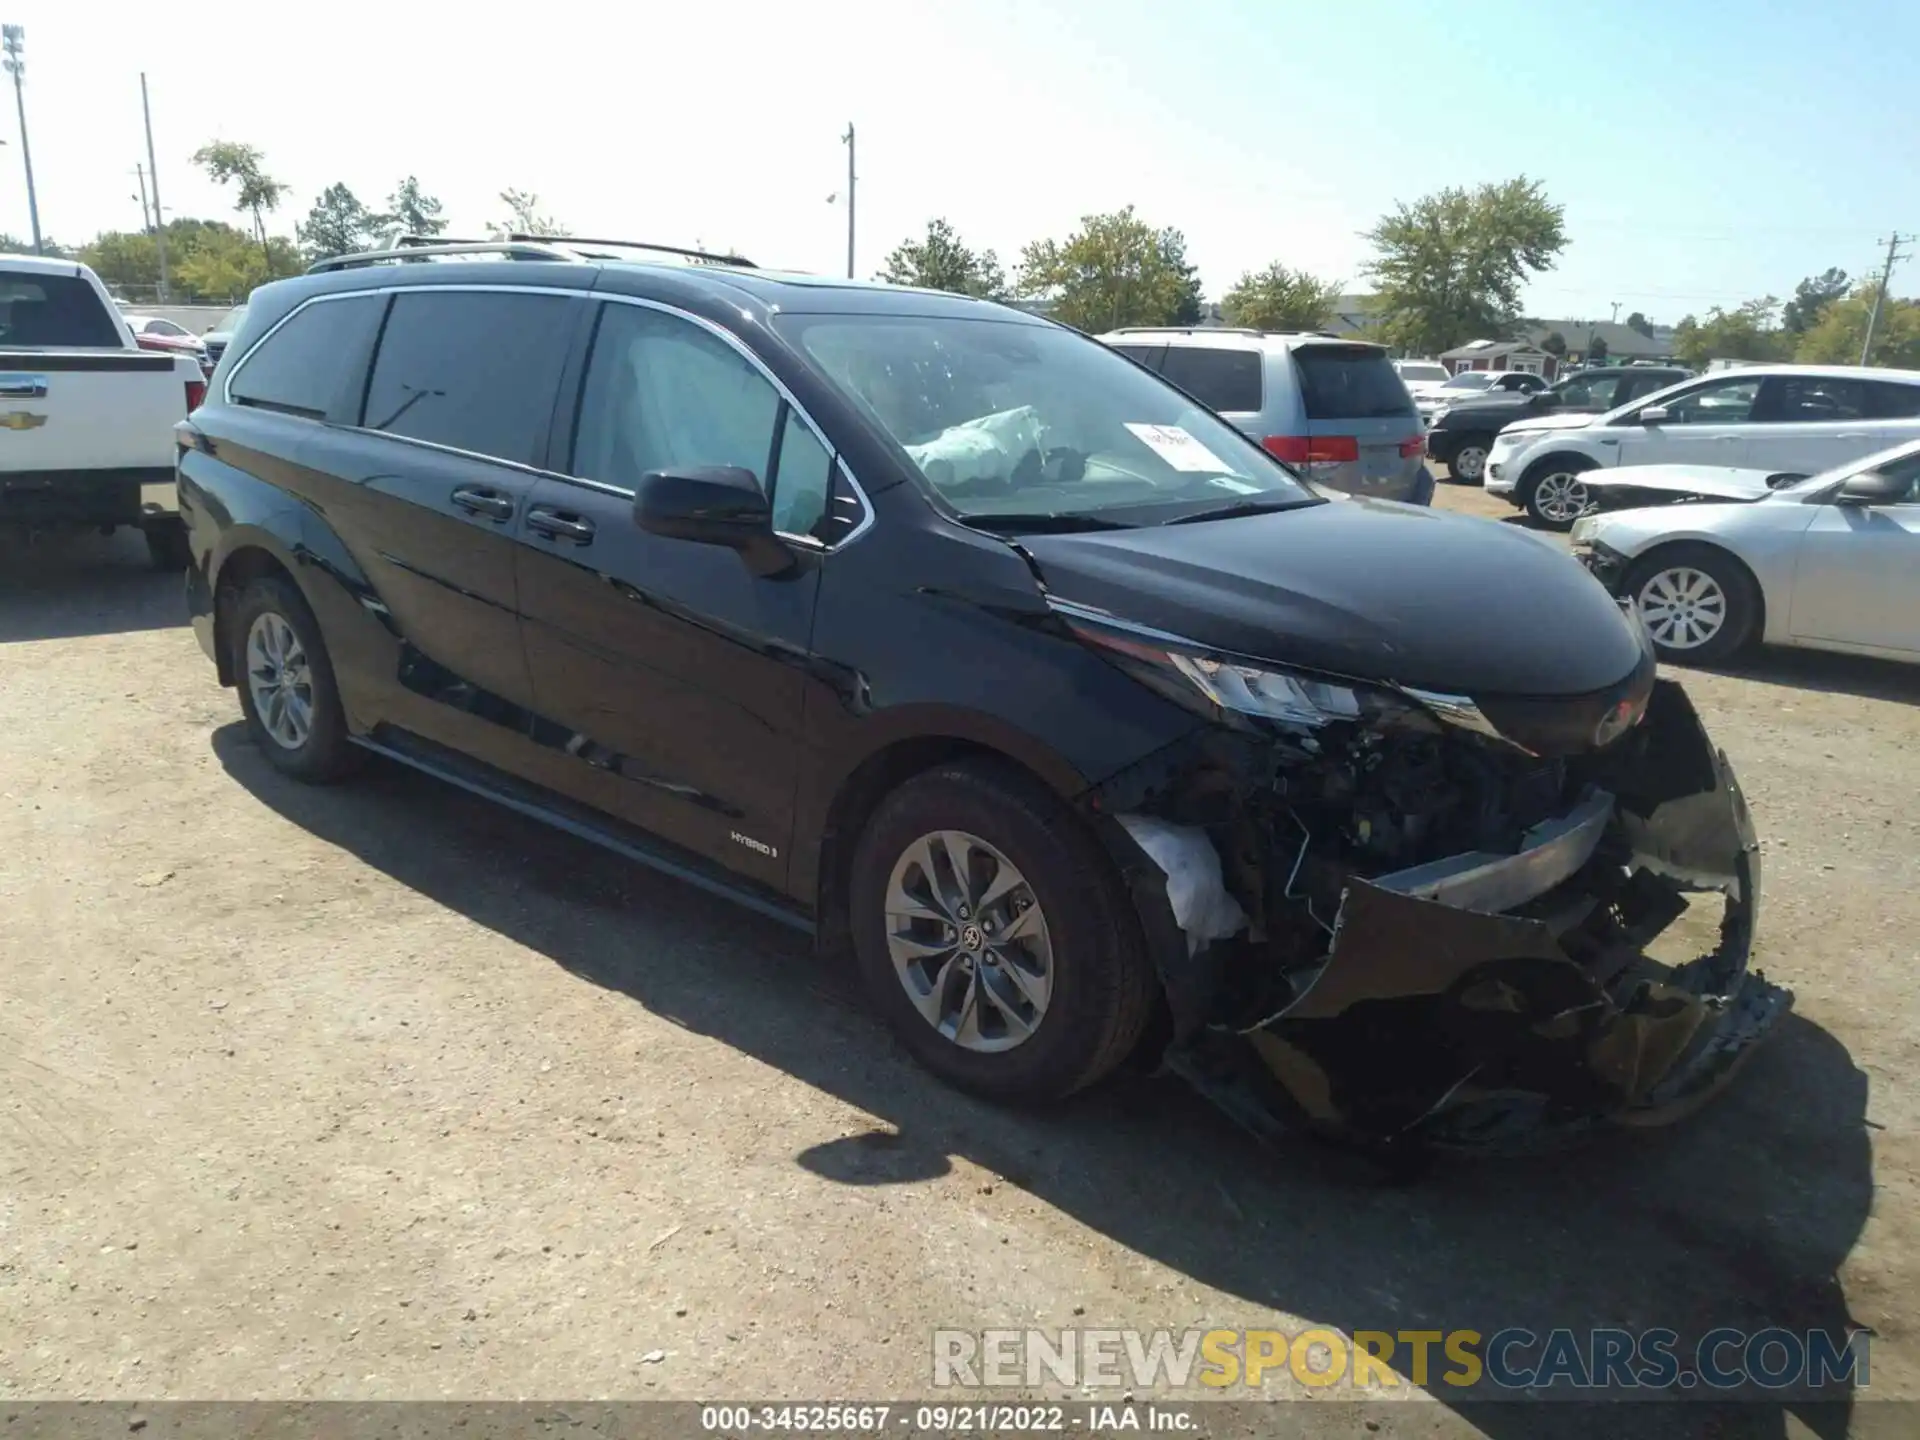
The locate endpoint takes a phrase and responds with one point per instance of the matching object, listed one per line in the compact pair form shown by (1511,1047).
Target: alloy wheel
(969,941)
(1469,463)
(1684,608)
(279,680)
(1561,497)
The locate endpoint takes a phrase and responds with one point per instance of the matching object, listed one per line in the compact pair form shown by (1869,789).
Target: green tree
(210,260)
(338,224)
(524,216)
(1448,268)
(1191,307)
(1277,298)
(941,261)
(1748,332)
(228,162)
(1811,297)
(413,210)
(1555,344)
(1114,270)
(1640,325)
(1842,329)
(1597,350)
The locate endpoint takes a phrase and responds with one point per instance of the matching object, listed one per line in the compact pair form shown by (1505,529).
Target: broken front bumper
(1498,1001)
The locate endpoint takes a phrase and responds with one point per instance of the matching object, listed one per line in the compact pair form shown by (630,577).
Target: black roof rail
(579,241)
(1192,330)
(414,248)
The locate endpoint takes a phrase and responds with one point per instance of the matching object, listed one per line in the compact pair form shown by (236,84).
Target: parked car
(1460,434)
(1830,562)
(217,339)
(152,332)
(88,416)
(1466,384)
(1800,418)
(944,632)
(1333,409)
(1421,376)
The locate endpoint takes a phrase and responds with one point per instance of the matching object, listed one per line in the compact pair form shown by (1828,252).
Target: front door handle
(479,500)
(559,525)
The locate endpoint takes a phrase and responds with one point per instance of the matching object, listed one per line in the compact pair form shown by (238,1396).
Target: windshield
(1879,460)
(1410,371)
(1470,380)
(1008,419)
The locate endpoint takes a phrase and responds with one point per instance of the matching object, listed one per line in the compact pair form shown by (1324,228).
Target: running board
(537,804)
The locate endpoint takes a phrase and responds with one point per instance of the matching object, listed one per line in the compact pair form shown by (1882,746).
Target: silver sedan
(1715,560)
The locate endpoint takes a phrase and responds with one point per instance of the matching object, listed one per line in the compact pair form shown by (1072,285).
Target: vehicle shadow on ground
(64,587)
(1838,674)
(1740,1217)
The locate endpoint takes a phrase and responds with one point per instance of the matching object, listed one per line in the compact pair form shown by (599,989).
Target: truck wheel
(1468,463)
(993,934)
(167,546)
(287,689)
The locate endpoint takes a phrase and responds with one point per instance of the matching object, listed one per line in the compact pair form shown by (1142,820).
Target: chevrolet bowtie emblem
(22,420)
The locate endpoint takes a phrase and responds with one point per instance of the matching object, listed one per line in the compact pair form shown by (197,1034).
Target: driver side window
(1724,402)
(664,394)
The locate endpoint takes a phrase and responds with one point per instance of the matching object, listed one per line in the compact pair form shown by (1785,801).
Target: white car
(1421,377)
(1831,562)
(1796,418)
(1468,383)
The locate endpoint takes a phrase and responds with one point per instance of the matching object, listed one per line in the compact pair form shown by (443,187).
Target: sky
(1706,151)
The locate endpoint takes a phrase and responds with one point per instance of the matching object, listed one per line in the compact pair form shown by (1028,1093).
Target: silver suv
(1333,409)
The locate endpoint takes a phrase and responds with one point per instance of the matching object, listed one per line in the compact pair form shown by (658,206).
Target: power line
(1894,242)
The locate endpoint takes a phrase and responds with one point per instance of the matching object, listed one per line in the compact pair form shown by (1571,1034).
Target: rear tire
(287,690)
(1699,603)
(167,547)
(1552,494)
(971,877)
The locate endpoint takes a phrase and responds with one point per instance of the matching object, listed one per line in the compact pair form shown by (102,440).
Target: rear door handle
(559,525)
(479,500)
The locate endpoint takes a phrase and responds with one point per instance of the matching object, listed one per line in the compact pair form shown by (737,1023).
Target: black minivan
(1088,727)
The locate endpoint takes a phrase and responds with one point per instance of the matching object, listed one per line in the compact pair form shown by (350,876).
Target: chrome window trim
(864,524)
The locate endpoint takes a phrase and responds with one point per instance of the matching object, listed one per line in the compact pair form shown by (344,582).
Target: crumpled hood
(1361,588)
(1717,482)
(1532,423)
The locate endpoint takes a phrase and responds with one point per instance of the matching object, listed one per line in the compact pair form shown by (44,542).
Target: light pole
(848,137)
(12,40)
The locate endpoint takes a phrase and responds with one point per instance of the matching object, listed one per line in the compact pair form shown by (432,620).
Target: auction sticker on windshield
(1178,448)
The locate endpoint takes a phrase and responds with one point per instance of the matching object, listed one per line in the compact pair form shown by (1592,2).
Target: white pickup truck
(86,416)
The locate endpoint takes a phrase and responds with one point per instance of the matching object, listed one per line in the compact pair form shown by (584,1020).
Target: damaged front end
(1397,923)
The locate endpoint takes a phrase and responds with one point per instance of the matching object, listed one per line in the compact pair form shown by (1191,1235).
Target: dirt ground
(379,1091)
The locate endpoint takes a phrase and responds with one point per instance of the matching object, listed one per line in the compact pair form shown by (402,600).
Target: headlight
(1236,691)
(1582,532)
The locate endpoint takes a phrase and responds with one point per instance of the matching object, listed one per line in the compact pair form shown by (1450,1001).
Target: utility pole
(13,40)
(159,216)
(1879,296)
(1616,312)
(146,215)
(848,137)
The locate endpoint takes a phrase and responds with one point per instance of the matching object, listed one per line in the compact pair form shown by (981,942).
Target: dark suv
(1460,435)
(943,631)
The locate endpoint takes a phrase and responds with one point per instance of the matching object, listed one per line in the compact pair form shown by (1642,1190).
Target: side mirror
(1873,487)
(713,505)
(1653,415)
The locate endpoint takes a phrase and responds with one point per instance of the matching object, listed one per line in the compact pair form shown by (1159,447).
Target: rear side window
(1892,402)
(1349,382)
(471,370)
(1222,380)
(1815,399)
(1147,355)
(309,365)
(38,311)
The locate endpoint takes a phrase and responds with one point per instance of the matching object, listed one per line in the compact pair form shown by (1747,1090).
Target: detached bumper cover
(1506,1002)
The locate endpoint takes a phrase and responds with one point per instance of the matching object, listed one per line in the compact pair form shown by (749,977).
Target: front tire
(1553,496)
(1699,604)
(1467,464)
(993,933)
(287,690)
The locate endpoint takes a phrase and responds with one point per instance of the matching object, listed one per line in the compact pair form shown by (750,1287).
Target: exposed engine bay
(1401,931)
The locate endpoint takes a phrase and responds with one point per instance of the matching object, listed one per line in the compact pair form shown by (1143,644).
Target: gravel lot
(382,1092)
